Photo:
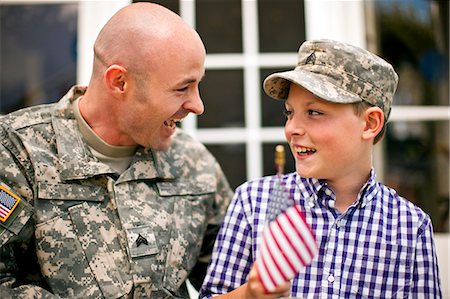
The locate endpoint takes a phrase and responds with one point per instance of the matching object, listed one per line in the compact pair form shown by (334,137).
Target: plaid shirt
(381,247)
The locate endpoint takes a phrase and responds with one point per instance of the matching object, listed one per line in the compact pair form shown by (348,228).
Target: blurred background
(46,47)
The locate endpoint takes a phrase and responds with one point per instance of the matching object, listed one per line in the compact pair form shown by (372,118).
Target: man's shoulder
(189,145)
(28,116)
(186,156)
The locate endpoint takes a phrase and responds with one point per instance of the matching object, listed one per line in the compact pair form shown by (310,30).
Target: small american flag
(288,243)
(8,202)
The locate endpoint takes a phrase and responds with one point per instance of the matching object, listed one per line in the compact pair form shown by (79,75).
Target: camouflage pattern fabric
(338,72)
(81,232)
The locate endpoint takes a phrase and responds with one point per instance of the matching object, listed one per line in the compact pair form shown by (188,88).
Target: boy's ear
(115,77)
(374,121)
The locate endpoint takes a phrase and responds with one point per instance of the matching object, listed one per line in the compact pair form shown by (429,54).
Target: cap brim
(277,86)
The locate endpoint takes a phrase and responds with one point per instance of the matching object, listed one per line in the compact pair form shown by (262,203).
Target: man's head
(339,73)
(147,66)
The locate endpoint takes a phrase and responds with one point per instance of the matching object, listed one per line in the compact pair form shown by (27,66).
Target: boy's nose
(294,128)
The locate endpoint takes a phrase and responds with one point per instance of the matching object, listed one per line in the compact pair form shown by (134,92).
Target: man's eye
(182,89)
(287,113)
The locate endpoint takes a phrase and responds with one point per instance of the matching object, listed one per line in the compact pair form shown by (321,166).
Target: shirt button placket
(330,278)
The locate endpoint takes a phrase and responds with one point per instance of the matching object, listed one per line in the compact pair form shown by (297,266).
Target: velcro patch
(8,202)
(142,241)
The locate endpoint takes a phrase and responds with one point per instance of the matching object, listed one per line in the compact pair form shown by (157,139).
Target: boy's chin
(307,174)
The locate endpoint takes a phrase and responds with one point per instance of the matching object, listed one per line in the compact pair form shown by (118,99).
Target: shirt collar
(77,161)
(369,191)
(311,187)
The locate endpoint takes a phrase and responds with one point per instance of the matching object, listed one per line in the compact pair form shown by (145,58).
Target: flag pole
(280,159)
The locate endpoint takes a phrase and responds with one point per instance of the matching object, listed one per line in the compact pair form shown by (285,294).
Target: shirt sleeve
(232,256)
(19,273)
(222,199)
(425,280)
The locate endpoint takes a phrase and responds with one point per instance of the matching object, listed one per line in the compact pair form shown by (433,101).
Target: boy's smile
(302,151)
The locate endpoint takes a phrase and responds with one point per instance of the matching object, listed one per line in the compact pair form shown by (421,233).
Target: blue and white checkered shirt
(381,247)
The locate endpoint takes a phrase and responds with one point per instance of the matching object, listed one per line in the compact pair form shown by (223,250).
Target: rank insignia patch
(8,202)
(142,241)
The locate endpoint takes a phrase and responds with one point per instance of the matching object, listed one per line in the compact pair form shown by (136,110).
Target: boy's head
(339,73)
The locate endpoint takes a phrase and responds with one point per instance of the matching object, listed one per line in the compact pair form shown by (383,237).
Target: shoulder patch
(8,202)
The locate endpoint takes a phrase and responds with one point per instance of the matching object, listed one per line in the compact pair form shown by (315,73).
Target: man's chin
(162,145)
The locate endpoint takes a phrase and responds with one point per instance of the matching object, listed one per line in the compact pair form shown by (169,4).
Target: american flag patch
(8,202)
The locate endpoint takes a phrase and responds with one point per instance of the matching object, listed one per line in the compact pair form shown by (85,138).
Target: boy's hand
(255,288)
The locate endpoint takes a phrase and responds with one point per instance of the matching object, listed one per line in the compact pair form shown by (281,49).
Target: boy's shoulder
(396,203)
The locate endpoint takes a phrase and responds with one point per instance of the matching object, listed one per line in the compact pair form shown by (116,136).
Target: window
(414,37)
(37,53)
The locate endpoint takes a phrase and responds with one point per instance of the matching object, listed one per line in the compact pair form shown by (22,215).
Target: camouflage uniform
(82,232)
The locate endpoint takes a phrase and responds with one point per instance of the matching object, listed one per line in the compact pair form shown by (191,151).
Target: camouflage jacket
(81,232)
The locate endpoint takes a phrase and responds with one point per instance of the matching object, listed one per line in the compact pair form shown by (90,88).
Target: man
(102,195)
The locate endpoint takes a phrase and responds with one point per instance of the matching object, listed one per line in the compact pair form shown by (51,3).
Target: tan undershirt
(117,157)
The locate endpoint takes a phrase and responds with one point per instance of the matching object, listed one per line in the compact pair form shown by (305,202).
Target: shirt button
(330,278)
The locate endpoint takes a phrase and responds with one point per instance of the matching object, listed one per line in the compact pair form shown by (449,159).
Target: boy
(372,242)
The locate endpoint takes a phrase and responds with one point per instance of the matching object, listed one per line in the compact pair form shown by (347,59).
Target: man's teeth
(171,123)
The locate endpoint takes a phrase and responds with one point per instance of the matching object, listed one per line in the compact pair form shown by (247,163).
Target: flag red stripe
(288,239)
(296,229)
(288,244)
(304,225)
(284,258)
(268,285)
(307,239)
(3,211)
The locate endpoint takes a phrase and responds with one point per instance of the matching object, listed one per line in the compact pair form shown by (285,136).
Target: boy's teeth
(302,149)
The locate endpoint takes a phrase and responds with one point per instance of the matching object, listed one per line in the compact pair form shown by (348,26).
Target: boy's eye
(314,112)
(287,113)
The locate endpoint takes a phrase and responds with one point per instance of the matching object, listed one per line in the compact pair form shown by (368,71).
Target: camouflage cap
(339,73)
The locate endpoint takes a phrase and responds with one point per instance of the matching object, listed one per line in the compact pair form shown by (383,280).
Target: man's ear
(374,121)
(115,77)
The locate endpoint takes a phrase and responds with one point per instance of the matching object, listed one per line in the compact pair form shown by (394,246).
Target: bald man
(101,195)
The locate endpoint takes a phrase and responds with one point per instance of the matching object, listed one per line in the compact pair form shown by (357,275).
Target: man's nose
(195,104)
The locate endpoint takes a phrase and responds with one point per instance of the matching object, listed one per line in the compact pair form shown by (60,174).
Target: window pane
(37,53)
(271,110)
(269,158)
(417,166)
(281,25)
(222,92)
(219,24)
(413,36)
(232,160)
